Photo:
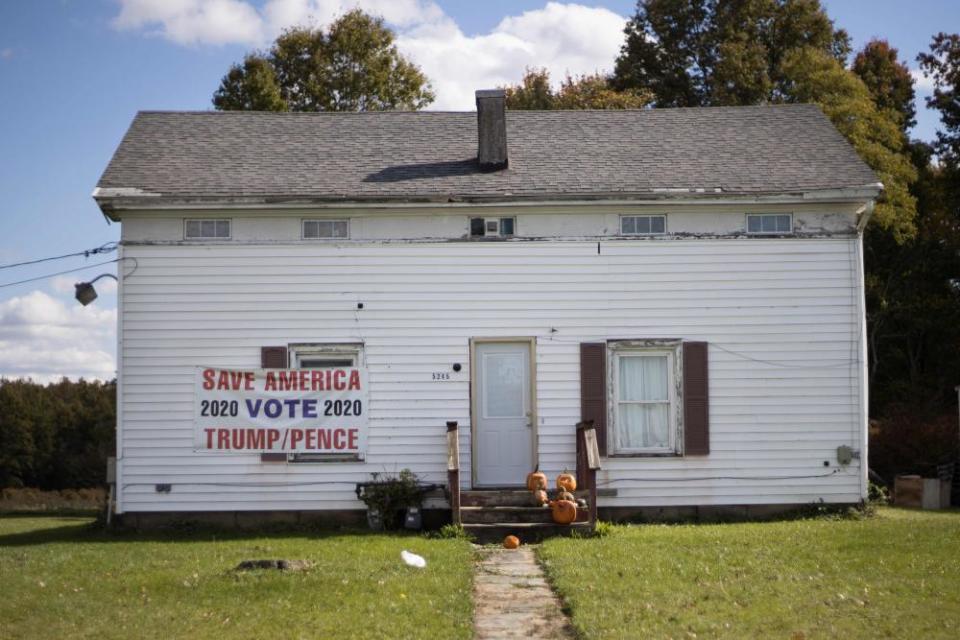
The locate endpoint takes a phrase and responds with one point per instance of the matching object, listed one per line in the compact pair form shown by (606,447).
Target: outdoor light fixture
(86,293)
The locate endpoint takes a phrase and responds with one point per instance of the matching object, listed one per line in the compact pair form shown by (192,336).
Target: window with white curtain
(644,415)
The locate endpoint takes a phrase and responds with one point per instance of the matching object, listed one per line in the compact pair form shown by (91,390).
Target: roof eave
(113,201)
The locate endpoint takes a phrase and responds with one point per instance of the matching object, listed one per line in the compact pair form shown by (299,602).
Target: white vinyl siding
(206,229)
(782,317)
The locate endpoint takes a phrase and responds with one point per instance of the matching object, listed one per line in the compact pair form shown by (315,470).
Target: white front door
(503,416)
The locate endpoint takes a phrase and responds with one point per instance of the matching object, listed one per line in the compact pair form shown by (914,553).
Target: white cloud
(193,21)
(45,339)
(921,83)
(564,38)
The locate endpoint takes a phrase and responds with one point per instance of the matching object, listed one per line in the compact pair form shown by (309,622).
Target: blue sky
(74,72)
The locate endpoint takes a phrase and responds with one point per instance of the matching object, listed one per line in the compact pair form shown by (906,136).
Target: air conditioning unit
(492,227)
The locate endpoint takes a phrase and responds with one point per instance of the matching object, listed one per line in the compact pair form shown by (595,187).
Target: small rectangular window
(325,229)
(492,227)
(206,229)
(477,228)
(643,225)
(769,223)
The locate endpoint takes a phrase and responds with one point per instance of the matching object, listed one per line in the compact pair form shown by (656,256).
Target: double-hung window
(644,412)
(325,356)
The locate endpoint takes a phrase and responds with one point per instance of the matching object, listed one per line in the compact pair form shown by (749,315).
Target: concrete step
(497,515)
(494,515)
(528,532)
(504,497)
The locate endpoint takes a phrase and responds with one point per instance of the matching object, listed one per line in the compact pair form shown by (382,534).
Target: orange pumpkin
(540,497)
(564,511)
(566,495)
(536,480)
(511,542)
(566,482)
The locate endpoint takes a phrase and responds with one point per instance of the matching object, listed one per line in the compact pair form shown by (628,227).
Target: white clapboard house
(687,281)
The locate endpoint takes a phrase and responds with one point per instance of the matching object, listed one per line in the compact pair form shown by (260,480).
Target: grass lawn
(896,575)
(61,579)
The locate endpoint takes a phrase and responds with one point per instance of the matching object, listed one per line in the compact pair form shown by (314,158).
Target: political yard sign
(281,410)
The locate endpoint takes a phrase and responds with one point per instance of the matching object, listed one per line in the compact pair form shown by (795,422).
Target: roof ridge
(216,112)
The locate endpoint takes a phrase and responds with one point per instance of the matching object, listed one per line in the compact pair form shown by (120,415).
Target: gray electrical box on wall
(844,455)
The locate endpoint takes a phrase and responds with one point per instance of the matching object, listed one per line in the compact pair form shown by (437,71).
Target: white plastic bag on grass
(413,559)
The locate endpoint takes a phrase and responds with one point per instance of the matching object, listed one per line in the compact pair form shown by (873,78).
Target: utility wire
(59,273)
(105,248)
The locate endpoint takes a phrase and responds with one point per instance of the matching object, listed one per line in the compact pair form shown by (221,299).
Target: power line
(104,248)
(59,273)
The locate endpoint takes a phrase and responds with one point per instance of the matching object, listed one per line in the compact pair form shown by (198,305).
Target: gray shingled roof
(416,156)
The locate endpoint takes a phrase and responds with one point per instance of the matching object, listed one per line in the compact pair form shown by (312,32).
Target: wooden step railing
(453,470)
(588,462)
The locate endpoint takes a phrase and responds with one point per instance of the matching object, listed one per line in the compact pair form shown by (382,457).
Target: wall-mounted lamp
(86,293)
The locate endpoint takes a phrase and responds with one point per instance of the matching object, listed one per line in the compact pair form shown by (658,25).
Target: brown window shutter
(273,358)
(593,389)
(696,400)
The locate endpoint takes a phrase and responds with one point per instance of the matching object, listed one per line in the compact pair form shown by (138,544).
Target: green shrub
(391,496)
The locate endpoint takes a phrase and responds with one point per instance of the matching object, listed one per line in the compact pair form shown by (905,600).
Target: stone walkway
(513,599)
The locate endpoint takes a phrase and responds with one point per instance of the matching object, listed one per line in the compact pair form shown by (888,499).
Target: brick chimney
(492,129)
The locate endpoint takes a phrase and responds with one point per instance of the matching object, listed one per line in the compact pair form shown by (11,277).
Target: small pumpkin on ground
(511,542)
(540,497)
(567,482)
(564,511)
(536,480)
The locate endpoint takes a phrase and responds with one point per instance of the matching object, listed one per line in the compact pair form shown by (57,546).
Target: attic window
(206,230)
(492,227)
(769,223)
(643,225)
(325,229)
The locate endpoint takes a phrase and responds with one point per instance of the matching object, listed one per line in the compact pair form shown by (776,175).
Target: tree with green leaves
(711,52)
(942,64)
(56,436)
(888,80)
(812,76)
(584,92)
(352,66)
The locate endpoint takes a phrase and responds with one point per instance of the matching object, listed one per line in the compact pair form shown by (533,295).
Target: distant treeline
(56,436)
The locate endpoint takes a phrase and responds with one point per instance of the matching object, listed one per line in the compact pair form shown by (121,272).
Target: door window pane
(503,382)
